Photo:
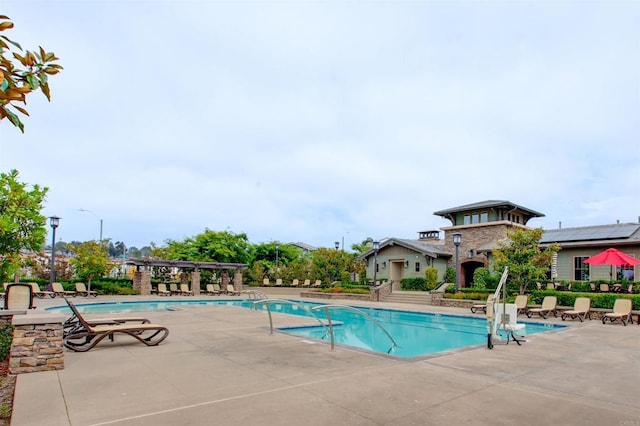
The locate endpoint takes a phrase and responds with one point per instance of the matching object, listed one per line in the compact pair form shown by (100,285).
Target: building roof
(304,246)
(603,234)
(485,205)
(420,246)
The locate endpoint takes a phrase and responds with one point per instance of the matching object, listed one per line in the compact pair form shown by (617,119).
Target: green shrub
(6,338)
(419,284)
(431,277)
(450,275)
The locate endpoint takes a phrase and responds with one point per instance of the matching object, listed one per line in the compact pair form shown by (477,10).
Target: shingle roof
(487,204)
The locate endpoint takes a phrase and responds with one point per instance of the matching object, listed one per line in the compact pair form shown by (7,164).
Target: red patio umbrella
(613,257)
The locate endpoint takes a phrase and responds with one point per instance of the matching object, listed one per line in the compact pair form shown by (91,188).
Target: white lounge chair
(621,310)
(581,309)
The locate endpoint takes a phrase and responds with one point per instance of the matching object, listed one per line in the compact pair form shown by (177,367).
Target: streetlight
(337,244)
(277,258)
(54,221)
(89,211)
(457,238)
(376,246)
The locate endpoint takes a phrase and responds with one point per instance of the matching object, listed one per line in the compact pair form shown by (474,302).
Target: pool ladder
(329,331)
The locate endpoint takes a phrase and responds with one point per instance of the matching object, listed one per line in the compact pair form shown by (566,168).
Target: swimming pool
(415,333)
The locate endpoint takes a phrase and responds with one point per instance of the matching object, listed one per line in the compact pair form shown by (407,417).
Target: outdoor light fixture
(376,247)
(101,221)
(277,246)
(54,221)
(457,239)
(406,264)
(470,254)
(384,265)
(337,244)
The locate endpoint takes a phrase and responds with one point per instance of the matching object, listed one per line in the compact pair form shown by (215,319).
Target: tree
(16,83)
(363,247)
(522,254)
(91,261)
(210,246)
(22,226)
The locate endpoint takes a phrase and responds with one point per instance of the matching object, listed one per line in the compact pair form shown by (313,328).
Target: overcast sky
(318,121)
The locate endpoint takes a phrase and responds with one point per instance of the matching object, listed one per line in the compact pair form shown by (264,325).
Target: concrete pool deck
(221,366)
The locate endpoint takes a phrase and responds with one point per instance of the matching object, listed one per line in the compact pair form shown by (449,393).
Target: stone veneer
(37,343)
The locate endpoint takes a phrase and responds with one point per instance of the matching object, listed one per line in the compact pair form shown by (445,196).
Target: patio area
(220,365)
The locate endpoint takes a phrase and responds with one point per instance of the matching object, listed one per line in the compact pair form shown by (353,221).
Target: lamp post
(337,245)
(54,221)
(457,238)
(89,211)
(376,247)
(277,246)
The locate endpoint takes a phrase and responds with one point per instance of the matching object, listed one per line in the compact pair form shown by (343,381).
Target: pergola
(184,264)
(142,278)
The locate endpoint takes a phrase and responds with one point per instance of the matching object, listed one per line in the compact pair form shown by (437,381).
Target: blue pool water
(415,333)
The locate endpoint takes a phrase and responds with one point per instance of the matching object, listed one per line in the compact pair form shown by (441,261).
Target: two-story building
(481,226)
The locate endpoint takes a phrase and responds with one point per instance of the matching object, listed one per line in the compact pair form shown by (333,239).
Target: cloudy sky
(317,121)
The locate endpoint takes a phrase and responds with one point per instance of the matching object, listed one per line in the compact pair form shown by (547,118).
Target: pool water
(415,333)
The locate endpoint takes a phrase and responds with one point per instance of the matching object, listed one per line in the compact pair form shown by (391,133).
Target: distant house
(482,226)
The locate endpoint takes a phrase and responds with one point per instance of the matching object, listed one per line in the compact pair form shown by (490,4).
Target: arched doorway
(468,268)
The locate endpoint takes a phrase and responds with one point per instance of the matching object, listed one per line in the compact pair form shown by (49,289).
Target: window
(580,269)
(484,217)
(625,272)
(475,218)
(467,219)
(417,266)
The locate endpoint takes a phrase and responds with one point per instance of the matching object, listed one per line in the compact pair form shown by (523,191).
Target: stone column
(37,343)
(142,282)
(237,280)
(195,282)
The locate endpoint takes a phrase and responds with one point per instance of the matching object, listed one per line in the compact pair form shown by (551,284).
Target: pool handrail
(255,295)
(364,314)
(267,303)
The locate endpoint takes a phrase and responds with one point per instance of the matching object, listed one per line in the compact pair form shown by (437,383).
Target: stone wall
(37,344)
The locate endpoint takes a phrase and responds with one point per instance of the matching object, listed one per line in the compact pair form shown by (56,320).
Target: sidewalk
(221,366)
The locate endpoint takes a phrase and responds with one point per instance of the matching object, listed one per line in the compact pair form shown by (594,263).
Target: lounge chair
(548,307)
(295,282)
(73,324)
(480,306)
(81,289)
(306,283)
(521,303)
(317,284)
(18,297)
(60,291)
(162,290)
(604,288)
(507,320)
(278,282)
(265,282)
(621,310)
(87,336)
(35,288)
(231,291)
(211,291)
(184,290)
(216,287)
(581,309)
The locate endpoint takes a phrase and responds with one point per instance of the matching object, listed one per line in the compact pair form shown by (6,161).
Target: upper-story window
(479,217)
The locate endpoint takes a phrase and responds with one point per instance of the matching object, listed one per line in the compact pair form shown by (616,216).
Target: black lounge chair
(87,334)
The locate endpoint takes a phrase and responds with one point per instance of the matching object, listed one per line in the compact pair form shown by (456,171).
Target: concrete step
(415,297)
